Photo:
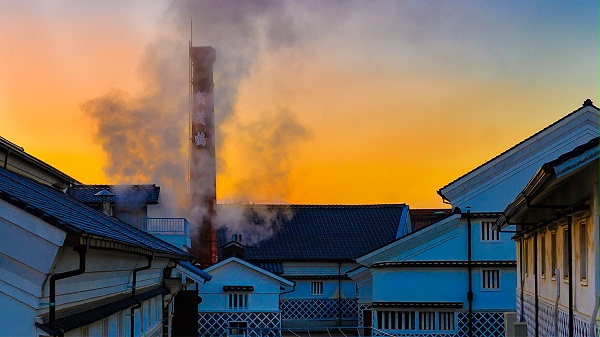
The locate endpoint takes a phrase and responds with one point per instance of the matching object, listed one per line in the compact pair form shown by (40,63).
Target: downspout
(6,157)
(133,285)
(339,293)
(522,315)
(82,250)
(535,288)
(557,277)
(570,255)
(596,272)
(470,271)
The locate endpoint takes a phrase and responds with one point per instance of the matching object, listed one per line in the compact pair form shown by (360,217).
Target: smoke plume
(146,135)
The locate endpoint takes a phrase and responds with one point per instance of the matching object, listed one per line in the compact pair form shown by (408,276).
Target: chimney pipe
(203,179)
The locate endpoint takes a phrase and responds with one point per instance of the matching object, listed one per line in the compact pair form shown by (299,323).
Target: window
(566,268)
(238,329)
(553,253)
(396,320)
(488,233)
(149,312)
(158,307)
(426,320)
(85,331)
(446,320)
(238,301)
(105,327)
(526,257)
(120,324)
(582,252)
(543,255)
(490,279)
(316,288)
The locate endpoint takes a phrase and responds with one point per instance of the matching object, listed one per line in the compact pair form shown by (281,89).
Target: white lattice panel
(318,309)
(259,323)
(488,324)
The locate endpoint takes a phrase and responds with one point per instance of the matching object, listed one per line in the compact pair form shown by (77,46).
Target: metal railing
(166,226)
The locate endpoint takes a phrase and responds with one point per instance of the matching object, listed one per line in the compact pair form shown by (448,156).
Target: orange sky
(394,99)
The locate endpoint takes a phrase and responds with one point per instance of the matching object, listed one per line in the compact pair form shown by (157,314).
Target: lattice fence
(318,309)
(546,321)
(259,323)
(488,324)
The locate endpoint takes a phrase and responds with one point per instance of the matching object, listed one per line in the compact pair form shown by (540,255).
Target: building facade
(556,217)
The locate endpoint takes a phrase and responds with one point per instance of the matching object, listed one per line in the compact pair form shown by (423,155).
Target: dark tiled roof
(421,218)
(274,267)
(323,232)
(74,217)
(443,264)
(593,143)
(90,315)
(127,194)
(585,104)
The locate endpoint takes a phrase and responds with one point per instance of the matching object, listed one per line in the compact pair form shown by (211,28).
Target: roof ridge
(586,103)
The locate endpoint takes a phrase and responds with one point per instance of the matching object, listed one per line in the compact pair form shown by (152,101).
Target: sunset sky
(323,102)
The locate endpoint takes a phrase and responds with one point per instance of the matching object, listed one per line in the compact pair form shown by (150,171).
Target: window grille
(488,233)
(553,253)
(396,320)
(566,268)
(490,279)
(316,288)
(543,255)
(426,320)
(237,329)
(446,320)
(582,252)
(238,301)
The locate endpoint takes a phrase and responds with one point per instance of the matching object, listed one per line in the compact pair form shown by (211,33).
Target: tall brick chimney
(203,178)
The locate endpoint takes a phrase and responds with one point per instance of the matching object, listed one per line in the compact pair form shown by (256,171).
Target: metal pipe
(570,255)
(557,278)
(138,303)
(82,250)
(339,293)
(596,204)
(521,243)
(470,271)
(535,278)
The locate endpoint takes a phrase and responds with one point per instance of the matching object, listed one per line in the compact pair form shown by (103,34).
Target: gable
(436,242)
(493,185)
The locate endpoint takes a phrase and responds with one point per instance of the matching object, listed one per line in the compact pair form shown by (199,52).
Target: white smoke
(146,136)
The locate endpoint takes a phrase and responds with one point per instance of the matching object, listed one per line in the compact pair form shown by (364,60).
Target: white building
(458,274)
(241,300)
(556,217)
(67,269)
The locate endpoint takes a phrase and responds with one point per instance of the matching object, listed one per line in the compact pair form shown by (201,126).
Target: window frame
(233,301)
(487,234)
(543,255)
(583,252)
(490,274)
(316,288)
(244,329)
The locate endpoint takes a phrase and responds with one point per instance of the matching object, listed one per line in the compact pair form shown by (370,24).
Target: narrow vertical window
(446,320)
(566,268)
(553,253)
(316,288)
(426,320)
(488,233)
(237,301)
(582,252)
(490,279)
(543,255)
(526,257)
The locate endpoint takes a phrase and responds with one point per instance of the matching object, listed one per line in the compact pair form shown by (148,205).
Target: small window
(446,320)
(85,331)
(105,327)
(566,268)
(488,233)
(426,320)
(543,255)
(582,252)
(238,329)
(316,288)
(553,253)
(238,301)
(490,279)
(526,257)
(396,320)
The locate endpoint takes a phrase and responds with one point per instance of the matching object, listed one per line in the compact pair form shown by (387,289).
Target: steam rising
(146,135)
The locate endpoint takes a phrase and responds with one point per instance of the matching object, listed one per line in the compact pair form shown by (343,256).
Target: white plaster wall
(265,296)
(16,318)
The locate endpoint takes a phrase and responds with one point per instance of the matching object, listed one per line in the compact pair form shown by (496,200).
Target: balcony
(175,231)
